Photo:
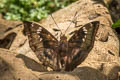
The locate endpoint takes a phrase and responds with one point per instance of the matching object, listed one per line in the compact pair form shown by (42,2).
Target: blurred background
(35,10)
(30,10)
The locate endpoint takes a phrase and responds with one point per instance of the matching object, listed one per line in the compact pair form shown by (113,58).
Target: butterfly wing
(81,43)
(43,43)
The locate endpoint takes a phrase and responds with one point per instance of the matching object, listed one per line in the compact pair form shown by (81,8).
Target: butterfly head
(63,38)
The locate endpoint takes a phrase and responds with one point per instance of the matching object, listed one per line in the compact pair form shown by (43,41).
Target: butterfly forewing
(42,42)
(81,43)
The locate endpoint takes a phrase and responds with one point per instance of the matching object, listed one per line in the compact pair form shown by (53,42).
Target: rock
(8,32)
(102,61)
(13,68)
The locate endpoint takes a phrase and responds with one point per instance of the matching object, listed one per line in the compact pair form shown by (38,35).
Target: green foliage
(116,24)
(30,9)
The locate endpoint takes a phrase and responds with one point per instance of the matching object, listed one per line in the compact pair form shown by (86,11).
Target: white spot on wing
(39,36)
(32,24)
(85,30)
(83,39)
(39,30)
(40,39)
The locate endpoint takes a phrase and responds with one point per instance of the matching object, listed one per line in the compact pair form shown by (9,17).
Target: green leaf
(116,24)
(30,9)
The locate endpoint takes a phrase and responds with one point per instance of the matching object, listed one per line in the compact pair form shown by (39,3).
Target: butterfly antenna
(71,22)
(56,24)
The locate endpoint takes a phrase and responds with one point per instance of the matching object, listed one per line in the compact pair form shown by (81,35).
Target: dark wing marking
(81,43)
(43,43)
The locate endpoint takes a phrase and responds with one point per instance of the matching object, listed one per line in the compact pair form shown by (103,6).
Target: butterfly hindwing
(42,42)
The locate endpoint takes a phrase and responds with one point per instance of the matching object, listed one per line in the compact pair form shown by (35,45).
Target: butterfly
(63,54)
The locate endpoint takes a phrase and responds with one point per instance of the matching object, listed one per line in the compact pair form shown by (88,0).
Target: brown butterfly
(64,54)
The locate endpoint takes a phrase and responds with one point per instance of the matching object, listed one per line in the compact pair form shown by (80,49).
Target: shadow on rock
(7,41)
(32,64)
